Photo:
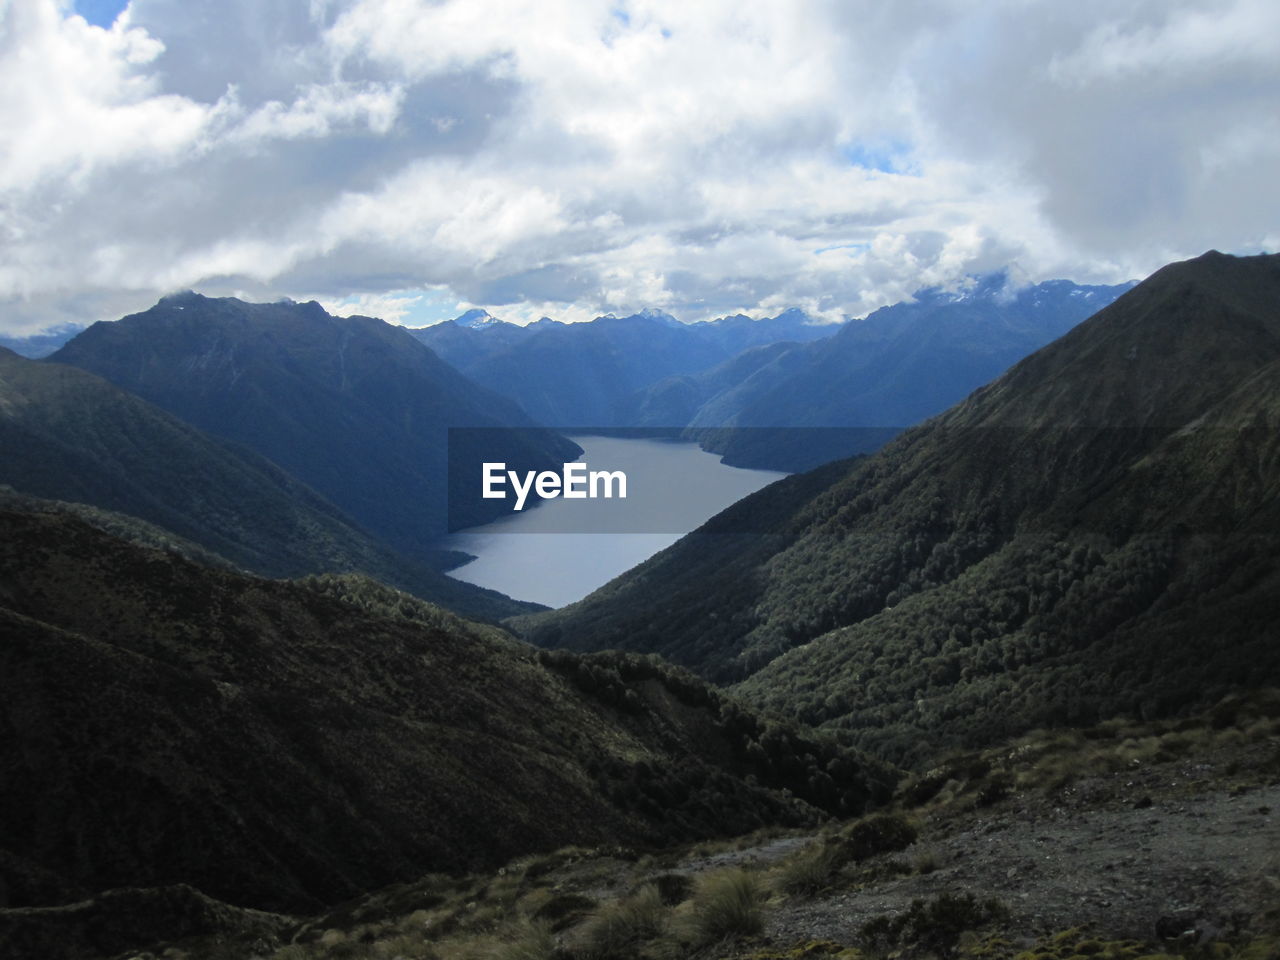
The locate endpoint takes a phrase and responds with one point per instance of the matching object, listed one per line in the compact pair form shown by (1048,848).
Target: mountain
(587,374)
(354,407)
(891,370)
(1094,533)
(69,435)
(285,744)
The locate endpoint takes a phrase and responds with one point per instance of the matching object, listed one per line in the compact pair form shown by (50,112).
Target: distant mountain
(810,393)
(892,369)
(285,744)
(40,344)
(477,319)
(354,407)
(588,374)
(69,435)
(1096,532)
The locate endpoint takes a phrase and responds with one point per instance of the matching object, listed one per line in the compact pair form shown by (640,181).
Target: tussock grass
(617,928)
(529,941)
(726,904)
(808,872)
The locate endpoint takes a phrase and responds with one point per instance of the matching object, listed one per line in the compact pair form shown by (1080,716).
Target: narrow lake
(672,488)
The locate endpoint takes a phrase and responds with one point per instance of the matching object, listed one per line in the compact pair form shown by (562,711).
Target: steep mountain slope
(70,435)
(282,744)
(354,407)
(1096,532)
(892,369)
(587,374)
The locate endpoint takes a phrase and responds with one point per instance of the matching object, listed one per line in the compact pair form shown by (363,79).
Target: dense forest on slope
(1096,532)
(288,743)
(354,407)
(70,435)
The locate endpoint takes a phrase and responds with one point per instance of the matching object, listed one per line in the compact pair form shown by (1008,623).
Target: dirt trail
(1117,865)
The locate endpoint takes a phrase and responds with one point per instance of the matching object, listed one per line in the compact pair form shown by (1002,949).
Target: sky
(412,158)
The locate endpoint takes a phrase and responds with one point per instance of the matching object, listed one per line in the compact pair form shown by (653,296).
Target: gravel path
(1119,866)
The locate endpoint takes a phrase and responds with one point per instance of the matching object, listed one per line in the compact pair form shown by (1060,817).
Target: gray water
(545,554)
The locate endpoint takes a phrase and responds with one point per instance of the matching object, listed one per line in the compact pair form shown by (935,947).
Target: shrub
(882,833)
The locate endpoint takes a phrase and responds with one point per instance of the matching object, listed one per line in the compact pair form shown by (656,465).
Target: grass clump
(530,941)
(618,929)
(727,904)
(810,871)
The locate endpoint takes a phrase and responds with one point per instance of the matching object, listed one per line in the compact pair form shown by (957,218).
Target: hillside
(287,744)
(354,407)
(70,435)
(1094,533)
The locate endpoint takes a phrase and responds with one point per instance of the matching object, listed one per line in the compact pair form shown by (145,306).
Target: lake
(547,555)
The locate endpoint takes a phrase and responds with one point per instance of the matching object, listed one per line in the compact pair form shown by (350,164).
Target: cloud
(574,157)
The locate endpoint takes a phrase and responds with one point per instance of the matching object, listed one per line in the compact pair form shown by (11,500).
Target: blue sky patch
(101,13)
(887,156)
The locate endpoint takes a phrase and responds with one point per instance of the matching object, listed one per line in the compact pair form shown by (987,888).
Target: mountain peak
(475,318)
(653,313)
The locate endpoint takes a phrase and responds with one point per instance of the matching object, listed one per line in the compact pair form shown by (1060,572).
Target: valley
(639,480)
(998,685)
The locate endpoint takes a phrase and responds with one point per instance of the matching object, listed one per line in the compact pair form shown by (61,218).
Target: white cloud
(573,157)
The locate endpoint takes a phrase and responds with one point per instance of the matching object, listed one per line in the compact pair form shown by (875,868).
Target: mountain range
(587,374)
(782,392)
(1093,533)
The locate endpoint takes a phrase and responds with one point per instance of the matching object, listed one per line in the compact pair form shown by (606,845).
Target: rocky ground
(1201,859)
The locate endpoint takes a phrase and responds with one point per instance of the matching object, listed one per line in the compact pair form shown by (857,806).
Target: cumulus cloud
(575,157)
